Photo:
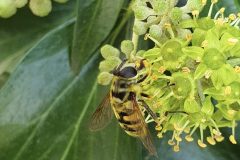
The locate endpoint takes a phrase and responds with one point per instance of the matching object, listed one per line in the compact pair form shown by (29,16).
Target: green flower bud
(183,33)
(20,3)
(109,51)
(194,5)
(142,12)
(213,58)
(7,8)
(40,7)
(183,85)
(61,1)
(160,7)
(105,78)
(127,47)
(109,64)
(151,20)
(155,31)
(139,27)
(176,14)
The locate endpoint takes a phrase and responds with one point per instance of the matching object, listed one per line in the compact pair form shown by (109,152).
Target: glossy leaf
(45,109)
(95,19)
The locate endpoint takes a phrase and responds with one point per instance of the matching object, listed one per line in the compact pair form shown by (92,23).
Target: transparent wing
(102,116)
(145,135)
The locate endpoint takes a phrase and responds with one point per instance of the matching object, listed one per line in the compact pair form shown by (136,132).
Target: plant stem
(135,38)
(200,91)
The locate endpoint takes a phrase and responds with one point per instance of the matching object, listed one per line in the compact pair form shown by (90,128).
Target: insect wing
(145,135)
(102,116)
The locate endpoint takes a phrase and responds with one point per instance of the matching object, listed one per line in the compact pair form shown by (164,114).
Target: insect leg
(149,111)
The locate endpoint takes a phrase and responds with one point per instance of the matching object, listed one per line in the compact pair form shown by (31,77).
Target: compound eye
(128,72)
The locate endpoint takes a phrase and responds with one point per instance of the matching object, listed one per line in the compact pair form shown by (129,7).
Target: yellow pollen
(216,132)
(222,10)
(232,139)
(219,138)
(145,63)
(167,25)
(219,21)
(158,128)
(227,90)
(211,141)
(189,37)
(160,135)
(204,2)
(177,127)
(189,138)
(154,77)
(198,59)
(186,70)
(232,17)
(232,41)
(214,1)
(179,139)
(201,144)
(146,36)
(204,44)
(176,148)
(203,120)
(231,112)
(137,64)
(195,12)
(208,74)
(237,69)
(171,142)
(161,69)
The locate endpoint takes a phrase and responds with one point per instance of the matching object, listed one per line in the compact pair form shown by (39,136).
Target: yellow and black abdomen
(123,108)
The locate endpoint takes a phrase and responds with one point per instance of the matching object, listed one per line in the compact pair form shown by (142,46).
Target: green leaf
(20,34)
(194,52)
(95,19)
(217,79)
(45,109)
(198,37)
(200,71)
(208,107)
(191,106)
(188,23)
(228,75)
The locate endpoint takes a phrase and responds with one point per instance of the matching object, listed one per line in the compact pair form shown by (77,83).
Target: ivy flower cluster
(194,80)
(38,7)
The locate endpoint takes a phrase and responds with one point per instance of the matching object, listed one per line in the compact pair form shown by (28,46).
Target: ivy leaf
(95,19)
(44,108)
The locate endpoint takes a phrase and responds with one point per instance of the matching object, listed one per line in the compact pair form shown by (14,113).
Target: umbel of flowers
(38,7)
(194,80)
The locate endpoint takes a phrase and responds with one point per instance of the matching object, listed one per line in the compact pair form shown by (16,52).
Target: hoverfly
(127,104)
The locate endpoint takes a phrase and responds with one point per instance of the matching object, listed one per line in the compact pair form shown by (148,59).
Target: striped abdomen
(124,110)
